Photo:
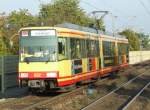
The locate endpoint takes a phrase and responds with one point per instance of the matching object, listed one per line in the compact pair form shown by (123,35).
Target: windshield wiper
(48,60)
(27,60)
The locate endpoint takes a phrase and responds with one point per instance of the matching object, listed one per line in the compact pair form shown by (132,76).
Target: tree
(21,18)
(133,39)
(60,11)
(3,40)
(101,25)
(144,39)
(56,12)
(13,22)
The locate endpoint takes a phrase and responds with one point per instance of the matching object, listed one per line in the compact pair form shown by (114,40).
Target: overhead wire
(110,13)
(89,4)
(114,8)
(125,16)
(144,6)
(148,1)
(140,1)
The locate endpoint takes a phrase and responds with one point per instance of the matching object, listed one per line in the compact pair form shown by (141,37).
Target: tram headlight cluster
(51,75)
(23,75)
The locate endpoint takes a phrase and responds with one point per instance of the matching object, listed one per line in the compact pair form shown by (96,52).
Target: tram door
(76,56)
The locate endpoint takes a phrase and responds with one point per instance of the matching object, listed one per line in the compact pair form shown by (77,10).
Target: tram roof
(83,29)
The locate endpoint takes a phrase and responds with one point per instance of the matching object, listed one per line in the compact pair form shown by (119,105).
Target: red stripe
(78,77)
(101,72)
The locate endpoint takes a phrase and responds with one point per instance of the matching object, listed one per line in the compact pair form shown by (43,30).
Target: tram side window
(112,49)
(109,53)
(123,49)
(88,48)
(97,49)
(75,45)
(91,48)
(119,49)
(127,48)
(62,48)
(83,48)
(108,48)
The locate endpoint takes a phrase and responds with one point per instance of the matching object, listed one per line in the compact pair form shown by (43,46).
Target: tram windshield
(38,48)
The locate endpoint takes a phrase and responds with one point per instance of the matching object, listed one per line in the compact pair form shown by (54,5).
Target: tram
(61,56)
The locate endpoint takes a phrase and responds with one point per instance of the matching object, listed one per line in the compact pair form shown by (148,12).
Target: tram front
(38,58)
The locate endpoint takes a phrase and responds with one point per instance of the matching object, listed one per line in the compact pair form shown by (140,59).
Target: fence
(138,56)
(8,72)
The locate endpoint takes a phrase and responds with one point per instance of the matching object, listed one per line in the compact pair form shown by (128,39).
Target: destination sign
(43,32)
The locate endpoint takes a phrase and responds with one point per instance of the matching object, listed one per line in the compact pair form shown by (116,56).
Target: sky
(133,14)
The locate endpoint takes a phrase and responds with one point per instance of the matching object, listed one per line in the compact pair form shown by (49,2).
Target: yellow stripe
(86,35)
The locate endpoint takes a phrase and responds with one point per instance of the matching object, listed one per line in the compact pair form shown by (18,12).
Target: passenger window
(109,53)
(62,48)
(75,48)
(92,48)
(123,48)
(108,48)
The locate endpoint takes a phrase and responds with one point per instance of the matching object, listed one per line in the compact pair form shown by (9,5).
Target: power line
(94,12)
(90,5)
(148,1)
(115,9)
(144,6)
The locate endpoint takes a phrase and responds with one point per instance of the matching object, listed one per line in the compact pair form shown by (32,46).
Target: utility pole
(113,23)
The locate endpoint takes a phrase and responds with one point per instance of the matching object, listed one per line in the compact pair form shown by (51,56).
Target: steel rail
(123,85)
(14,101)
(134,98)
(46,102)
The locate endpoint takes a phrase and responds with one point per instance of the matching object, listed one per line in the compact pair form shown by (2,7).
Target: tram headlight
(24,75)
(51,75)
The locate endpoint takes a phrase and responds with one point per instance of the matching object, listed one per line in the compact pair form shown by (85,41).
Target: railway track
(80,93)
(135,97)
(19,103)
(40,102)
(141,101)
(121,97)
(60,101)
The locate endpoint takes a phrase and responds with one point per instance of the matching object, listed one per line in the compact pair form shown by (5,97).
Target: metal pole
(2,78)
(113,23)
